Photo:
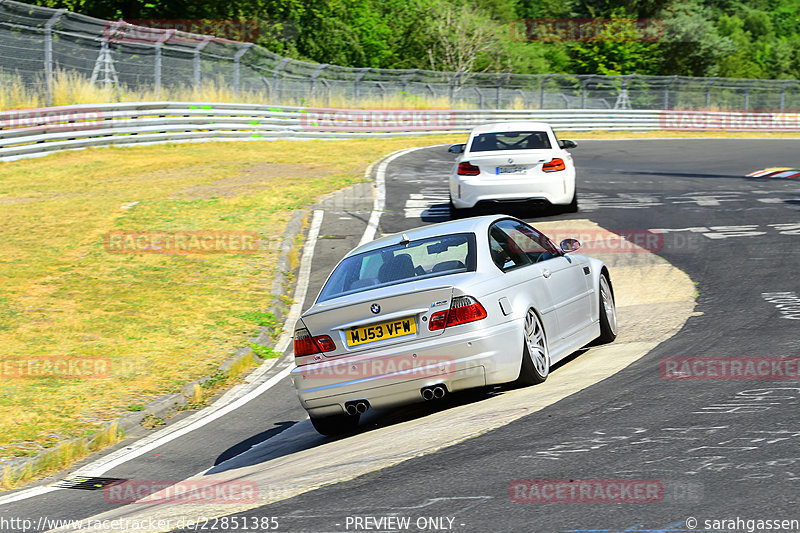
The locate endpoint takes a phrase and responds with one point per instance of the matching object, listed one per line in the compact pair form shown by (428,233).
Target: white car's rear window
(401,263)
(510,140)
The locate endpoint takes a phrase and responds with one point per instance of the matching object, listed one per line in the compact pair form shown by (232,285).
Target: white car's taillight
(555,165)
(467,169)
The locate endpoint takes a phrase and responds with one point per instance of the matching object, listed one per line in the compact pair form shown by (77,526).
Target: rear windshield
(401,263)
(510,140)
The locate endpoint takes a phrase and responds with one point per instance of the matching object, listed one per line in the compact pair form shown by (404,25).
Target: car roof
(518,125)
(474,225)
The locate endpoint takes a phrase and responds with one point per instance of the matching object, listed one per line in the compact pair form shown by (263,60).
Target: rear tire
(336,424)
(535,354)
(572,207)
(608,311)
(455,213)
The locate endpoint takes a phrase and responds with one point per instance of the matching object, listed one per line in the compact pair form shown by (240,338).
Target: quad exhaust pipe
(433,392)
(356,407)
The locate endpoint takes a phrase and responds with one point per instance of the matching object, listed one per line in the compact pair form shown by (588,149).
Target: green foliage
(700,37)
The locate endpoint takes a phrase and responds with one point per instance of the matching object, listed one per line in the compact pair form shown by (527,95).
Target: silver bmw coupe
(418,315)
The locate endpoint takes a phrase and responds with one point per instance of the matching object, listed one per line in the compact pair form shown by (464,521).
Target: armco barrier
(36,132)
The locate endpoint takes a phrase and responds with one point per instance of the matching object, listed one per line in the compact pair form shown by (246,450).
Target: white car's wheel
(608,312)
(572,207)
(535,355)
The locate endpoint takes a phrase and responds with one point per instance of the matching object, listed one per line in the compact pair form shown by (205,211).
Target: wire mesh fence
(36,42)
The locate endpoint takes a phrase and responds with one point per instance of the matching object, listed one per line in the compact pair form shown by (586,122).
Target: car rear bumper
(467,193)
(393,377)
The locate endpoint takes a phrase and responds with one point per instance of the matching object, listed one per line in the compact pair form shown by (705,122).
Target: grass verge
(154,321)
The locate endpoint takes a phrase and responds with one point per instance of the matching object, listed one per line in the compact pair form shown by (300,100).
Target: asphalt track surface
(721,449)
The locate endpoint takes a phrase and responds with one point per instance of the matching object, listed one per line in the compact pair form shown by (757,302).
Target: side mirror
(457,149)
(570,245)
(566,144)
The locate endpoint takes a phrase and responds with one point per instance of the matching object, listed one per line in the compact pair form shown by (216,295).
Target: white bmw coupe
(513,162)
(441,308)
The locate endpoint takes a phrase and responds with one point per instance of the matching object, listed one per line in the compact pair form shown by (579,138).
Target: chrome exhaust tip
(356,407)
(427,394)
(439,392)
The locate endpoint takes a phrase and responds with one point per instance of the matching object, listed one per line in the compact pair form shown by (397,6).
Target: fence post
(453,82)
(314,76)
(157,66)
(196,62)
(542,90)
(666,91)
(48,53)
(276,86)
(708,91)
(237,64)
(361,73)
(783,94)
(406,79)
(500,82)
(747,95)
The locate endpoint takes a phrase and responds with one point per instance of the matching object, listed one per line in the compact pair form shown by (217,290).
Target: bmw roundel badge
(510,160)
(375,308)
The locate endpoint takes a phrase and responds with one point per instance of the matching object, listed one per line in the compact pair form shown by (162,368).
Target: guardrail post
(237,65)
(356,87)
(48,53)
(196,61)
(708,91)
(276,85)
(157,61)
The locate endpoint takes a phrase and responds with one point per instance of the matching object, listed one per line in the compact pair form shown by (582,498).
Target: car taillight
(305,344)
(463,309)
(555,165)
(468,169)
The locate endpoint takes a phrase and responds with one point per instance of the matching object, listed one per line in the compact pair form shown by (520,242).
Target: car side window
(522,244)
(506,253)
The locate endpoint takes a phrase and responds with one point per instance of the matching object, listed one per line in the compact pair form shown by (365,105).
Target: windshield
(401,263)
(510,140)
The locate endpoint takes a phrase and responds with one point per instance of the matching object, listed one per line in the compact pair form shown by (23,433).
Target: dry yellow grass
(158,320)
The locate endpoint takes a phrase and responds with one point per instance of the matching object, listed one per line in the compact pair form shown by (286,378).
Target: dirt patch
(253,178)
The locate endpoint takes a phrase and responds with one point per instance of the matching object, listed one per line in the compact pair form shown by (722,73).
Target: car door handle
(546,273)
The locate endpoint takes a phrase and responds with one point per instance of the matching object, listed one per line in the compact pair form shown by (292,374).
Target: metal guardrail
(37,132)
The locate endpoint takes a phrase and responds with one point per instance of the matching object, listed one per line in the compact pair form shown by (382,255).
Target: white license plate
(511,170)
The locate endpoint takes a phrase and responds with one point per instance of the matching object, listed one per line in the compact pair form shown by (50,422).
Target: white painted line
(225,405)
(380,194)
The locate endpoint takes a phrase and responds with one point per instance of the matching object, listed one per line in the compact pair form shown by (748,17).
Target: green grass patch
(155,320)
